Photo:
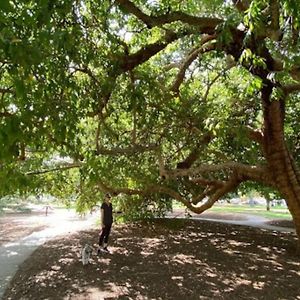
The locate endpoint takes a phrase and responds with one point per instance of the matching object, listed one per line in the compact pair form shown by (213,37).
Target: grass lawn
(275,212)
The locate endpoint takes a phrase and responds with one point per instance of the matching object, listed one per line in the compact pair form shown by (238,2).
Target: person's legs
(107,232)
(101,237)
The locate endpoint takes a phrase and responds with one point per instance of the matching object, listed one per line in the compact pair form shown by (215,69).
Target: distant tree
(183,99)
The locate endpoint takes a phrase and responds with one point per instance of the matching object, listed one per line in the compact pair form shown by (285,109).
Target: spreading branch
(88,72)
(209,86)
(194,154)
(245,172)
(217,194)
(241,5)
(206,25)
(190,58)
(129,62)
(255,135)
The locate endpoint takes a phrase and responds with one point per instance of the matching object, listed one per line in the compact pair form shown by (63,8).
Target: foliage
(83,81)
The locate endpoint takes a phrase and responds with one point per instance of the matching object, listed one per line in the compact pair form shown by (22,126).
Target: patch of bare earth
(165,259)
(14,227)
(282,223)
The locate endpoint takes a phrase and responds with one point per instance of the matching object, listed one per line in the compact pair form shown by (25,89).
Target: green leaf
(5,6)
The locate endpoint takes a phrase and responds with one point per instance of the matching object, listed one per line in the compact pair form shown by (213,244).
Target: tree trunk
(280,162)
(268,203)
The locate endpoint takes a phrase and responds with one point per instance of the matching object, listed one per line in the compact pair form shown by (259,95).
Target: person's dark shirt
(108,218)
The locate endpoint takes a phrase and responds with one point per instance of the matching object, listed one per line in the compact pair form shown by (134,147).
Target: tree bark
(279,159)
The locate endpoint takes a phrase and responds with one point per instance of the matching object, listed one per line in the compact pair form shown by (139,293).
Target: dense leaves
(121,89)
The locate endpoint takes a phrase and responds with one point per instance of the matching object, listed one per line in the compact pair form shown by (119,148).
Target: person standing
(106,223)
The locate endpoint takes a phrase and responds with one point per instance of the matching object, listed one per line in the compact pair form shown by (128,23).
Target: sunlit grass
(273,213)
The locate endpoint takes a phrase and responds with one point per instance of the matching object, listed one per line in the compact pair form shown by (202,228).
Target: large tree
(161,98)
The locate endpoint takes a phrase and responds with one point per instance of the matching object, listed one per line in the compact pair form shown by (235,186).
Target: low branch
(217,194)
(213,193)
(205,194)
(148,190)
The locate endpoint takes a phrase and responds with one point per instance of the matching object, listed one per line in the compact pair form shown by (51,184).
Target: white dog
(86,254)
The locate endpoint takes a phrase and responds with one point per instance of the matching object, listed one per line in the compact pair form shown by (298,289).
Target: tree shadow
(165,259)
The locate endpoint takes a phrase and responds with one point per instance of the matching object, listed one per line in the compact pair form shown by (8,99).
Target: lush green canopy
(159,98)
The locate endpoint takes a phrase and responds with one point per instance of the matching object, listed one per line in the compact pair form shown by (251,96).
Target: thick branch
(255,135)
(131,61)
(290,88)
(274,12)
(149,190)
(217,194)
(206,25)
(117,190)
(245,172)
(205,194)
(241,5)
(205,182)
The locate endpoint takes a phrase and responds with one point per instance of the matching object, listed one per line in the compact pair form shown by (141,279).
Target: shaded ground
(168,259)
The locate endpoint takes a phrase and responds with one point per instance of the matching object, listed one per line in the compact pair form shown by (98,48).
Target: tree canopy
(157,99)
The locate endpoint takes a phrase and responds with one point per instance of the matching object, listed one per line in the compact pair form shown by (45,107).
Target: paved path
(60,223)
(232,218)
